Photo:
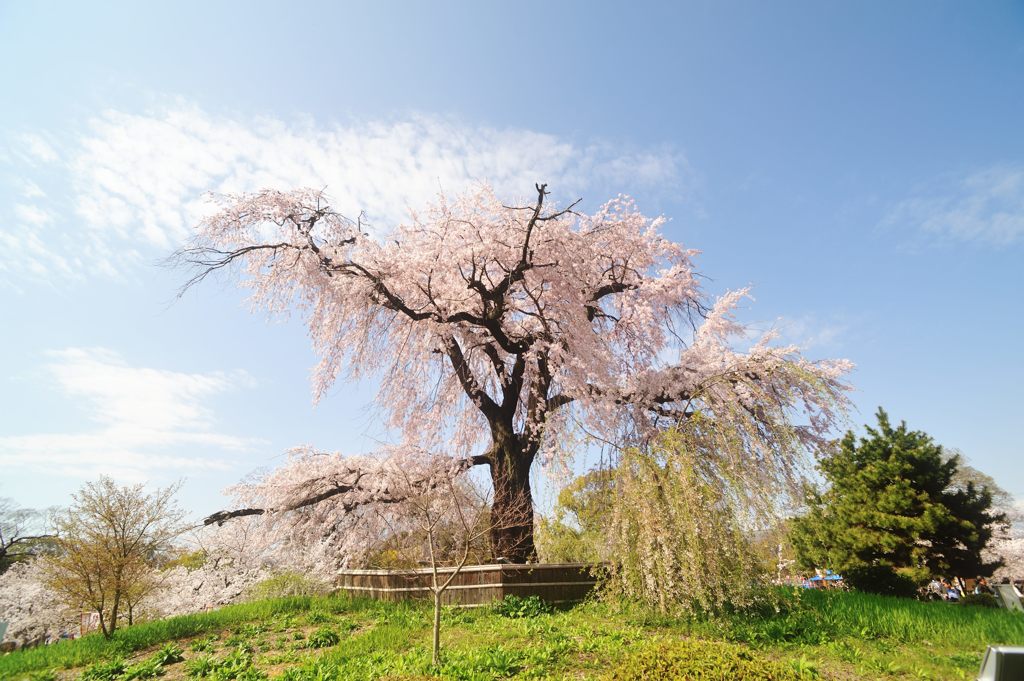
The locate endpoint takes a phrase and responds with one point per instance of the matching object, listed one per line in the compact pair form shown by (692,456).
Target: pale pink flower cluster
(605,300)
(208,587)
(1008,545)
(33,612)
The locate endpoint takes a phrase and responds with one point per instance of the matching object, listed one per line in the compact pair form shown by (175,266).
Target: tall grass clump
(902,619)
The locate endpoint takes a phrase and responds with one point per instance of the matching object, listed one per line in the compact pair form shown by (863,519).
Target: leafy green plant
(324,637)
(104,671)
(804,668)
(147,669)
(203,645)
(283,623)
(44,675)
(516,607)
(315,670)
(169,654)
(318,617)
(279,657)
(692,660)
(200,667)
(491,662)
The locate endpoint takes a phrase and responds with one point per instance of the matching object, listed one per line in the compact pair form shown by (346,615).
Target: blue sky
(860,165)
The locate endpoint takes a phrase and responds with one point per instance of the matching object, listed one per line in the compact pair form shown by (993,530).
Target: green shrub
(880,579)
(693,660)
(323,637)
(287,584)
(104,671)
(517,607)
(982,600)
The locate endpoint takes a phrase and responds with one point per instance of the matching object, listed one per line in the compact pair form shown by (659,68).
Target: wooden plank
(474,585)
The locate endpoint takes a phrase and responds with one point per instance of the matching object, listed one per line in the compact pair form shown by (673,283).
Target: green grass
(812,636)
(92,648)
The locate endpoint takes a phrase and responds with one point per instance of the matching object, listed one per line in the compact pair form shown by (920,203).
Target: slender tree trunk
(512,507)
(103,624)
(435,651)
(113,616)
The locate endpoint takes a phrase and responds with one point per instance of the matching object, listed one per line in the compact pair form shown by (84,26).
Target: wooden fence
(475,584)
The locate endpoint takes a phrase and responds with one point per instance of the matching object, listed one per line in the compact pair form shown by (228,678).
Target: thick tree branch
(469,383)
(220,517)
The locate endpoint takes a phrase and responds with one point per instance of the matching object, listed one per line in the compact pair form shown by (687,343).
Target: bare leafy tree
(108,539)
(441,526)
(20,532)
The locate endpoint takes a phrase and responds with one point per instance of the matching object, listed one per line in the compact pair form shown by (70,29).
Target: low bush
(694,660)
(517,607)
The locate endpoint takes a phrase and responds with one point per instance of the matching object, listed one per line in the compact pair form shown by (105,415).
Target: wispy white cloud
(143,418)
(986,206)
(35,147)
(31,190)
(137,181)
(812,332)
(31,214)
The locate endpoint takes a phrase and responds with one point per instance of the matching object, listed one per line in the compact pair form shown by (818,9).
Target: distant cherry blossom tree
(33,612)
(1007,543)
(498,332)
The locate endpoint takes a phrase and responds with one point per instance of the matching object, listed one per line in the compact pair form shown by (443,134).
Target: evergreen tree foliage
(896,499)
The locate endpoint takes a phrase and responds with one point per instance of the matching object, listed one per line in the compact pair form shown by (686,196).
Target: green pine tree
(893,502)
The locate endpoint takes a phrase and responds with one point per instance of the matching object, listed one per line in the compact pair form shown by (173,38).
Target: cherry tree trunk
(512,506)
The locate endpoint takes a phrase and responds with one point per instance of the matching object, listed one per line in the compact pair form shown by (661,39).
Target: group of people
(953,590)
(941,589)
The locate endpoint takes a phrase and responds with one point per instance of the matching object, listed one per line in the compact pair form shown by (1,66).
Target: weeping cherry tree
(498,334)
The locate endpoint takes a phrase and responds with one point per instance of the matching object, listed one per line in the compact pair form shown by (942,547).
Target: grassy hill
(814,636)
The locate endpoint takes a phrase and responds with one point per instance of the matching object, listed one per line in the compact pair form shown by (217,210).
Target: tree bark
(512,507)
(103,624)
(435,650)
